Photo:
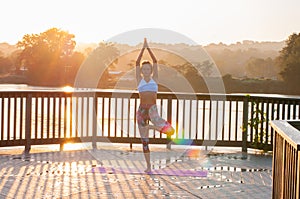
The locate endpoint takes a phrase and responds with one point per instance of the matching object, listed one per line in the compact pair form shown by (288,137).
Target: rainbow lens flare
(181,141)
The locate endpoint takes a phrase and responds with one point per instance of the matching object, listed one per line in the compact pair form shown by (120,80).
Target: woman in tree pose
(147,79)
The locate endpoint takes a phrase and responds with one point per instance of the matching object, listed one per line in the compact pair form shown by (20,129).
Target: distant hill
(230,59)
(268,47)
(265,49)
(81,47)
(7,49)
(247,44)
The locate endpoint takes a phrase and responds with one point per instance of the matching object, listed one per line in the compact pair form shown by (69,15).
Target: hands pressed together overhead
(145,43)
(146,46)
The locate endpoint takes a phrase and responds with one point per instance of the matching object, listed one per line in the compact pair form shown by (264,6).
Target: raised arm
(138,67)
(154,60)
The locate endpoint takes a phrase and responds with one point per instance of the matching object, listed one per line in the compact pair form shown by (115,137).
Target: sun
(68,89)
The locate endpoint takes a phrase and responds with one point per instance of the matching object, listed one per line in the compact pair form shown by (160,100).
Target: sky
(203,21)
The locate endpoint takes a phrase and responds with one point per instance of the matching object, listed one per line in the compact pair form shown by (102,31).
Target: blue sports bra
(147,86)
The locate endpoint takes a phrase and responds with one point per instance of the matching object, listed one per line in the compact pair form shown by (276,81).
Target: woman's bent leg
(159,123)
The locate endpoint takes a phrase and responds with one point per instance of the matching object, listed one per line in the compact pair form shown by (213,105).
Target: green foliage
(289,61)
(257,120)
(96,66)
(46,55)
(205,68)
(260,68)
(5,64)
(107,55)
(235,59)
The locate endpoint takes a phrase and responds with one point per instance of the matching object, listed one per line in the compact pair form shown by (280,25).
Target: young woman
(147,79)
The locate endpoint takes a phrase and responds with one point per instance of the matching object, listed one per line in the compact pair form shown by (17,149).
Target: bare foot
(168,130)
(148,170)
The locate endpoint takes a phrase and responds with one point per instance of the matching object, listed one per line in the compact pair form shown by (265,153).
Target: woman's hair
(146,62)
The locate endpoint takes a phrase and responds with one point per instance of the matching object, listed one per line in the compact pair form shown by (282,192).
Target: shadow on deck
(230,173)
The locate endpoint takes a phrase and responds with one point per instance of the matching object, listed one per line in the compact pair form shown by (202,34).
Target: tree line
(50,59)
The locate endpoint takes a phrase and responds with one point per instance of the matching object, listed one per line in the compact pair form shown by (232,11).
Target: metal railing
(57,117)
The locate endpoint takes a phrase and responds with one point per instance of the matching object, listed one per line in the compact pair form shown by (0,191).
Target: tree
(71,65)
(289,62)
(43,55)
(14,57)
(260,68)
(94,71)
(5,63)
(205,68)
(108,53)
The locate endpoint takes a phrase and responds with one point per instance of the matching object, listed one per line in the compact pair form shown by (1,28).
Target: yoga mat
(166,171)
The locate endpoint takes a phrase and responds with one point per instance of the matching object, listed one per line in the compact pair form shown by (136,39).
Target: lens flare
(193,153)
(182,141)
(95,68)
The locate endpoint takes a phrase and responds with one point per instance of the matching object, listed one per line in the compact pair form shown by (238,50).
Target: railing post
(94,136)
(245,124)
(28,124)
(169,119)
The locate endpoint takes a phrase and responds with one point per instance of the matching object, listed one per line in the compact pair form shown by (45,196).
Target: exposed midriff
(148,97)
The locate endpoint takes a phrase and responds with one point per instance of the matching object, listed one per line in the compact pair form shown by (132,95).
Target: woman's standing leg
(143,120)
(145,141)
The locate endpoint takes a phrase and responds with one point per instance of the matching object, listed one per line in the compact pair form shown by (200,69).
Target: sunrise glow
(203,21)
